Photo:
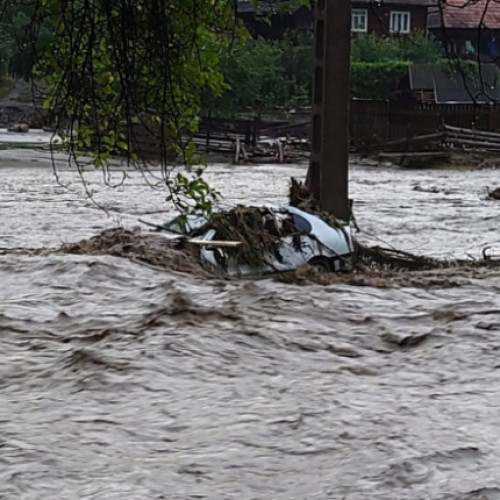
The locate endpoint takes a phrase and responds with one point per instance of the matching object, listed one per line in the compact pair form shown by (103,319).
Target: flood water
(120,381)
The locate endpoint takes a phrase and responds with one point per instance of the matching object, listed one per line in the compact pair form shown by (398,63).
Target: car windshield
(301,223)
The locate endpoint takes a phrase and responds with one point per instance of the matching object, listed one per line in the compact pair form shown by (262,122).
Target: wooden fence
(376,121)
(249,130)
(371,122)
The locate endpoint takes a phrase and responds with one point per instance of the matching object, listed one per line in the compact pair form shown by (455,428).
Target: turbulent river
(119,381)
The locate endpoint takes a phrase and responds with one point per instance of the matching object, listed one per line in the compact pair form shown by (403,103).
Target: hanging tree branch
(115,71)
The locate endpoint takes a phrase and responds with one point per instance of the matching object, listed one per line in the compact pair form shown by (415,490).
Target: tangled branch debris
(256,228)
(152,250)
(378,258)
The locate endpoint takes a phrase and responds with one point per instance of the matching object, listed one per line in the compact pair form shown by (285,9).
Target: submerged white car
(307,240)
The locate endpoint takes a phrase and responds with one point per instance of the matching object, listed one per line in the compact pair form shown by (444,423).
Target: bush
(265,75)
(372,49)
(415,48)
(376,80)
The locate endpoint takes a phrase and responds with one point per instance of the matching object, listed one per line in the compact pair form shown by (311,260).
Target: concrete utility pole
(328,169)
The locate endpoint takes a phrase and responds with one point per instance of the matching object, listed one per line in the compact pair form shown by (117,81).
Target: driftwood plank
(215,243)
(411,140)
(472,132)
(493,146)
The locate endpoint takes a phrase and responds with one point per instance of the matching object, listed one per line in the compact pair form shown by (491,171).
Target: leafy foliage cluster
(264,75)
(269,76)
(416,48)
(116,71)
(376,80)
(16,44)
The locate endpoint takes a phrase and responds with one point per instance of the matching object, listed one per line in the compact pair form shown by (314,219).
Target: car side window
(301,223)
(174,226)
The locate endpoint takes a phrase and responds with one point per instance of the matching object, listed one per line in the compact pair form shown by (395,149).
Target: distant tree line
(271,76)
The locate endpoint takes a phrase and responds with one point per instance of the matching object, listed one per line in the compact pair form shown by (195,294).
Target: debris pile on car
(258,229)
(260,240)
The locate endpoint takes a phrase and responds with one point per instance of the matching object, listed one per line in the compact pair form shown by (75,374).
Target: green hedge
(376,80)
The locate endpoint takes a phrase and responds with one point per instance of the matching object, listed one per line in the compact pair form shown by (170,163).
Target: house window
(400,22)
(359,20)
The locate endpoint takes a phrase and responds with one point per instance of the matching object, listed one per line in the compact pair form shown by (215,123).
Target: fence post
(207,146)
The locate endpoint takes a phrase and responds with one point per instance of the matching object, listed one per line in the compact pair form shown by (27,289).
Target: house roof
(402,3)
(465,14)
(484,88)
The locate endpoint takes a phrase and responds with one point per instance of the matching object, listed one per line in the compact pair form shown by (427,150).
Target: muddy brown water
(119,381)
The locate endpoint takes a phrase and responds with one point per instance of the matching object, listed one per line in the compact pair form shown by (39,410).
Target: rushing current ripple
(118,381)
